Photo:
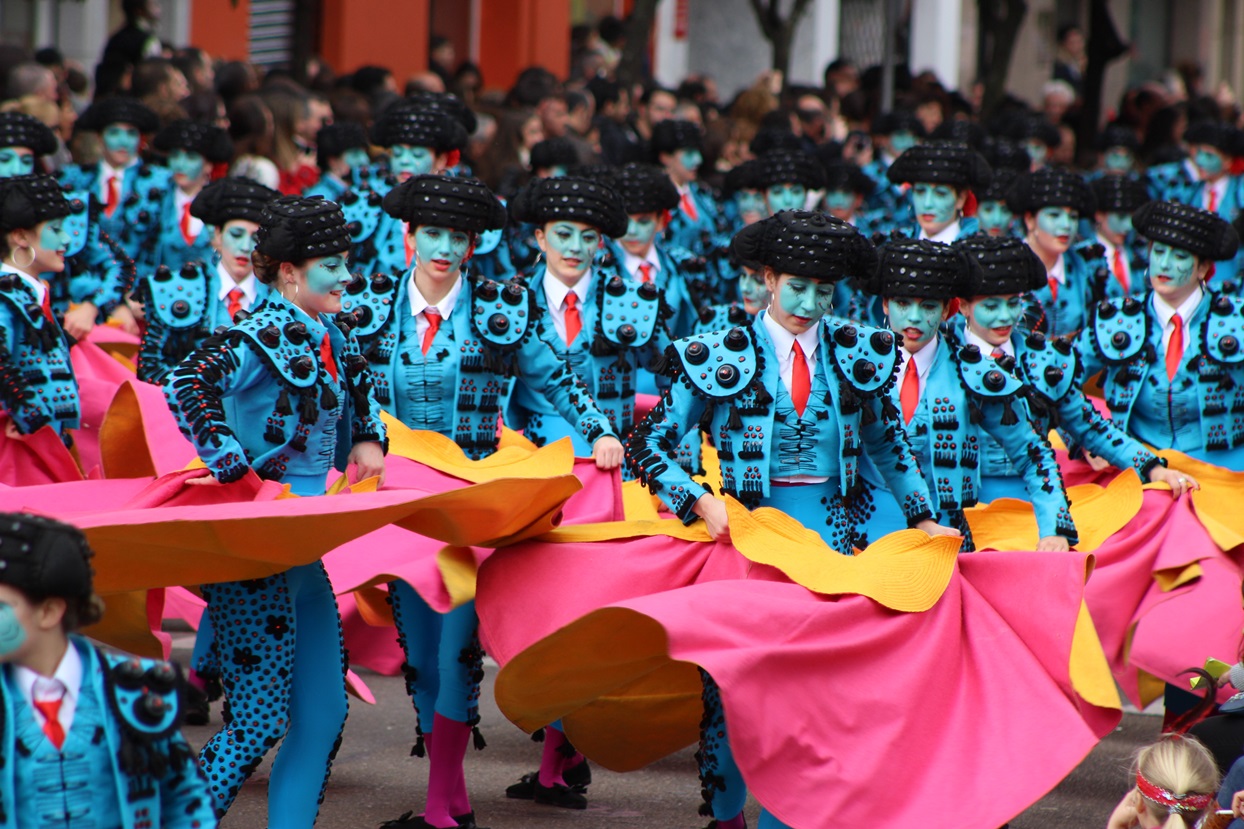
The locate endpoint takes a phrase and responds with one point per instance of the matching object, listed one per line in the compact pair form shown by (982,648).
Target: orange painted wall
(220,28)
(392,33)
(515,34)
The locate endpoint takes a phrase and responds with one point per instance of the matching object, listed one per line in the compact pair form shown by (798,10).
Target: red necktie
(185,224)
(909,394)
(1212,205)
(1120,272)
(1175,348)
(234,298)
(996,353)
(1053,283)
(800,380)
(47,302)
(114,197)
(50,709)
(688,207)
(645,271)
(434,325)
(574,322)
(326,356)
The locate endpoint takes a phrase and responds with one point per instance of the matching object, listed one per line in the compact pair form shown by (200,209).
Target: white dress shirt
(923,360)
(1059,271)
(946,235)
(972,339)
(180,200)
(784,349)
(555,292)
(249,287)
(632,263)
(35,284)
(1109,254)
(65,684)
(1166,313)
(418,305)
(106,172)
(1219,189)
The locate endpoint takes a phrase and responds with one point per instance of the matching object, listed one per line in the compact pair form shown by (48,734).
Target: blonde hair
(1182,766)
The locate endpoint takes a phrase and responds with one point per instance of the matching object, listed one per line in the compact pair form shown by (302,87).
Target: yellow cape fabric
(1218,501)
(516,459)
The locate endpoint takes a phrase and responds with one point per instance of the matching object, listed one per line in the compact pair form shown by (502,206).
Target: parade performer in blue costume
(184,306)
(1050,369)
(1051,202)
(1007,160)
(1118,147)
(120,177)
(953,397)
(744,202)
(678,146)
(169,233)
(786,177)
(847,187)
(791,403)
(1124,254)
(607,326)
(286,393)
(97,272)
(1173,366)
(446,352)
(90,738)
(37,385)
(341,154)
(943,176)
(893,133)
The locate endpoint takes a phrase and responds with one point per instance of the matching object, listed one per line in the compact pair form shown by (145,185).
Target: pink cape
(985,721)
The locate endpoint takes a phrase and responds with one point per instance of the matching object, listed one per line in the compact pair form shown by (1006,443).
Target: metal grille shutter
(271,32)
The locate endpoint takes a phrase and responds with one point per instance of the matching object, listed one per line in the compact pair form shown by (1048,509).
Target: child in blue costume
(447,351)
(607,326)
(287,393)
(37,385)
(1051,202)
(791,402)
(1173,366)
(1050,370)
(340,153)
(1215,149)
(943,176)
(847,187)
(184,306)
(1007,160)
(89,737)
(786,176)
(893,133)
(167,231)
(1118,147)
(744,202)
(97,272)
(678,146)
(953,396)
(1122,259)
(421,139)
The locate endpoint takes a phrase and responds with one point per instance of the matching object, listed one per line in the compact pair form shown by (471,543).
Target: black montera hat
(919,268)
(231,198)
(118,110)
(941,162)
(1201,233)
(44,558)
(1050,187)
(17,129)
(1007,266)
(672,135)
(26,201)
(571,199)
(208,140)
(645,188)
(296,228)
(464,204)
(804,243)
(1119,194)
(789,167)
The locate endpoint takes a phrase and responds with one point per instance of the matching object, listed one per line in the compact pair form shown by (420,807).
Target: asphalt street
(375,779)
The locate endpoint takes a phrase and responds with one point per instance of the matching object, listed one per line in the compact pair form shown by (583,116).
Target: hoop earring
(28,264)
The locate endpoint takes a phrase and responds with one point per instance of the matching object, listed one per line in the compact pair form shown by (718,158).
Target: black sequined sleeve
(195,392)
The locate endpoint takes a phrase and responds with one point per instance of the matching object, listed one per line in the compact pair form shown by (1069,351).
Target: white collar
(924,357)
(972,339)
(249,285)
(106,170)
(946,235)
(555,290)
(1109,249)
(784,341)
(181,199)
(633,262)
(445,307)
(1219,187)
(34,283)
(68,673)
(1059,271)
(1185,310)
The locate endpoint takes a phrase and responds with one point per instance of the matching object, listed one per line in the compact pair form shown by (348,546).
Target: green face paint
(995,217)
(356,158)
(754,292)
(186,165)
(801,302)
(917,320)
(569,248)
(751,205)
(840,201)
(406,161)
(1119,160)
(16,161)
(902,141)
(1209,161)
(934,205)
(441,249)
(786,197)
(1171,270)
(120,144)
(994,317)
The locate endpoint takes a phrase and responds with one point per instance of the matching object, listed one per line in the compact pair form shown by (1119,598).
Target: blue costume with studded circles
(1197,412)
(124,763)
(37,385)
(141,184)
(260,396)
(1069,312)
(97,269)
(155,232)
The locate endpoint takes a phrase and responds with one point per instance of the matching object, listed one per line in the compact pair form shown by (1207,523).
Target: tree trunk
(638,33)
(999,28)
(1104,46)
(778,31)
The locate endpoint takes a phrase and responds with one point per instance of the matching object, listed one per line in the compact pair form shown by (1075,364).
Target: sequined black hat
(1037,127)
(645,188)
(553,152)
(296,228)
(919,268)
(604,173)
(804,243)
(44,558)
(118,111)
(208,140)
(449,103)
(742,177)
(1223,137)
(17,129)
(1002,180)
(1118,135)
(673,135)
(571,199)
(1006,266)
(419,126)
(1050,187)
(1007,159)
(899,120)
(767,140)
(1119,194)
(231,198)
(789,167)
(1201,233)
(334,139)
(464,204)
(961,131)
(25,201)
(941,162)
(845,175)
